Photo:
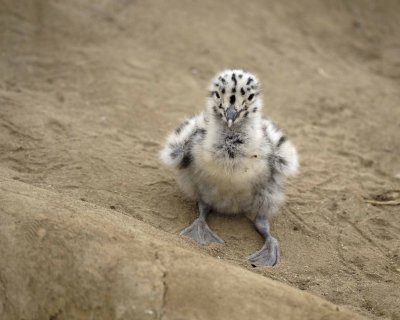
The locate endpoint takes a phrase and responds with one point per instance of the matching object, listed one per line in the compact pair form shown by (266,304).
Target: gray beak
(231,115)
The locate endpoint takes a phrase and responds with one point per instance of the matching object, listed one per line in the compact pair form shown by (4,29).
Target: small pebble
(41,233)
(323,73)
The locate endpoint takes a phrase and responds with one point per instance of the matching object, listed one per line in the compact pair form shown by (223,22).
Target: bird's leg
(269,253)
(199,231)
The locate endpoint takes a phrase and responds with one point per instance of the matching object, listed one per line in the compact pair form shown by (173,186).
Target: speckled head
(234,97)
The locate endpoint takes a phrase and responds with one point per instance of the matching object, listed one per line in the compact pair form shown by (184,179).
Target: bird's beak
(231,115)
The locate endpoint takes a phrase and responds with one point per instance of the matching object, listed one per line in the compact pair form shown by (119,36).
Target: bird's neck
(244,128)
(239,138)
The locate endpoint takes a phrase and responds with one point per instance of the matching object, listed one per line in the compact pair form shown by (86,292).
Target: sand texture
(90,219)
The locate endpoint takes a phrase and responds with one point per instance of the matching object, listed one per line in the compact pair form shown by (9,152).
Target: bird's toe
(267,256)
(200,232)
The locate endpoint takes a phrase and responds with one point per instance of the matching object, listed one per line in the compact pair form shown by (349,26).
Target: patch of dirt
(88,92)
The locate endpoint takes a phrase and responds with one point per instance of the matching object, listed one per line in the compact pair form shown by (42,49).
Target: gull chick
(232,161)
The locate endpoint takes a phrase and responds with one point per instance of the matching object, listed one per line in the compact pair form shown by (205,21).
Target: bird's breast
(228,184)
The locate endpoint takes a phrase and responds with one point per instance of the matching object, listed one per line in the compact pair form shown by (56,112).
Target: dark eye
(250,97)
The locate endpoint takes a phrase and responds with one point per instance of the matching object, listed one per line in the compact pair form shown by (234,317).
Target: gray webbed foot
(267,256)
(200,232)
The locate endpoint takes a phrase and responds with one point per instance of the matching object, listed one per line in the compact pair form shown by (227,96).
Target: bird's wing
(177,152)
(284,157)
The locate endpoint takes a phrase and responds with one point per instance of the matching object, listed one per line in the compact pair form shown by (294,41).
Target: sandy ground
(89,219)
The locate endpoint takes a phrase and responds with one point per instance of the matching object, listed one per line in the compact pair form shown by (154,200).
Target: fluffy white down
(251,179)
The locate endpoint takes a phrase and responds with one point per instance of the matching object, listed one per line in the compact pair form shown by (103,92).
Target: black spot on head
(248,89)
(220,106)
(255,110)
(242,91)
(253,87)
(216,84)
(232,99)
(246,114)
(250,97)
(240,76)
(222,80)
(186,161)
(234,79)
(212,93)
(234,90)
(250,80)
(223,90)
(215,109)
(281,141)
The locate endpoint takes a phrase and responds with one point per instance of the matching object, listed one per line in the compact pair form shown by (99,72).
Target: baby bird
(232,161)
